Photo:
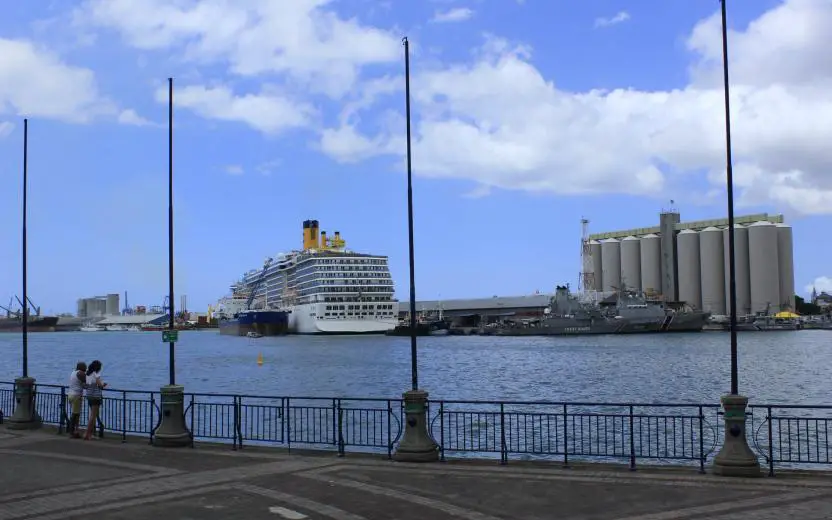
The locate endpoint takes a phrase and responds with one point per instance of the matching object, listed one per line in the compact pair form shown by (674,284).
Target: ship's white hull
(306,319)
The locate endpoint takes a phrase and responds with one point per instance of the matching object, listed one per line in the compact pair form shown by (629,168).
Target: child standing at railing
(77,381)
(95,385)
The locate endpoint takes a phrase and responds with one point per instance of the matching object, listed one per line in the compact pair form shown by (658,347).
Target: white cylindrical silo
(611,264)
(764,267)
(712,270)
(631,263)
(651,263)
(597,267)
(689,269)
(743,274)
(111,305)
(785,260)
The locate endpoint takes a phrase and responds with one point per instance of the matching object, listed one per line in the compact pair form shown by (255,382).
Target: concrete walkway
(45,476)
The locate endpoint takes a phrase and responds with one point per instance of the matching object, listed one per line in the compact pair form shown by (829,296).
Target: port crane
(18,313)
(258,283)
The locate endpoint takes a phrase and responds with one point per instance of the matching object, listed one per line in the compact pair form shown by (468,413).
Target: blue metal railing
(783,436)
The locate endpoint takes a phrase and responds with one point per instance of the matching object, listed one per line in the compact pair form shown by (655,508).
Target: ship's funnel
(313,239)
(337,242)
(306,230)
(323,239)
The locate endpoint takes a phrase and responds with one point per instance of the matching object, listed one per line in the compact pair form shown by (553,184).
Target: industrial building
(98,306)
(688,261)
(496,306)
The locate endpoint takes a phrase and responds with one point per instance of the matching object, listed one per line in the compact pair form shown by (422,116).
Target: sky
(527,116)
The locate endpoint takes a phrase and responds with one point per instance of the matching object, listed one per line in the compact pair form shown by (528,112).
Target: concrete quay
(46,476)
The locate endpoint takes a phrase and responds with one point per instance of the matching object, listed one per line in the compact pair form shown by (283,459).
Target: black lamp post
(735,458)
(416,444)
(172,431)
(25,416)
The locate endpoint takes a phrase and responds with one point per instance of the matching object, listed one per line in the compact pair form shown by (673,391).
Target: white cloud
(301,38)
(234,169)
(620,17)
(457,14)
(5,128)
(268,112)
(499,121)
(268,167)
(36,83)
(130,117)
(821,284)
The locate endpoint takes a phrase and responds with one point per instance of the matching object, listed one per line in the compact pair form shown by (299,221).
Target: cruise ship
(325,288)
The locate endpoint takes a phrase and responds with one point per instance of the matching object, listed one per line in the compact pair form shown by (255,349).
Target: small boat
(134,328)
(254,334)
(89,327)
(113,328)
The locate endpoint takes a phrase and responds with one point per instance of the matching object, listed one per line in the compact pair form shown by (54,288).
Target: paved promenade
(48,477)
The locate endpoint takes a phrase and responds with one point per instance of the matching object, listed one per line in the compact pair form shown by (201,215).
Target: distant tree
(806,308)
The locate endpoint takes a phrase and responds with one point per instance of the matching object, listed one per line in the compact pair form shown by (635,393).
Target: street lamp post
(25,416)
(735,458)
(172,431)
(416,444)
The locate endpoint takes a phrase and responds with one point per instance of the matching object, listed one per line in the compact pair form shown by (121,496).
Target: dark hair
(95,366)
(81,366)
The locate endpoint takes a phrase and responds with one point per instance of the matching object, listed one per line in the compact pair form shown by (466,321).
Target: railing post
(341,444)
(151,423)
(442,431)
(633,440)
(503,451)
(234,423)
(124,416)
(565,436)
(771,443)
(335,427)
(193,412)
(286,421)
(389,430)
(62,417)
(701,440)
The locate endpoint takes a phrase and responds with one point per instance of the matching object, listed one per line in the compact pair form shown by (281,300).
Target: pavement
(46,476)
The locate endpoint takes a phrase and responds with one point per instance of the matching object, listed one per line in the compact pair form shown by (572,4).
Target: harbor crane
(258,283)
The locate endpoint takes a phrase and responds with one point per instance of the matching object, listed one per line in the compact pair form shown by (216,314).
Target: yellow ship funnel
(313,239)
(337,242)
(306,233)
(323,240)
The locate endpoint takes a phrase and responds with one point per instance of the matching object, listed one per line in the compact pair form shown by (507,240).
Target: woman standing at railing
(77,381)
(94,395)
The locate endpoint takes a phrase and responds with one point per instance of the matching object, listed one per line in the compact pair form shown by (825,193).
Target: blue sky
(527,116)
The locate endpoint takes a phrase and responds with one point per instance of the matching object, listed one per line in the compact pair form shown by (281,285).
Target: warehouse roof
(495,302)
(136,319)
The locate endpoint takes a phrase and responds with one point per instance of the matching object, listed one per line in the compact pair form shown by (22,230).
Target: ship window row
(363,299)
(358,307)
(342,260)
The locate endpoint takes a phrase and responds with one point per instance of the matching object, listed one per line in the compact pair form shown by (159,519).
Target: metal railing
(783,436)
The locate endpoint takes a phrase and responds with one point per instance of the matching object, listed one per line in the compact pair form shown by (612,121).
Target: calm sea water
(782,367)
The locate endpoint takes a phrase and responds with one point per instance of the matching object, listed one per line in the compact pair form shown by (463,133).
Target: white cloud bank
(820,284)
(35,82)
(499,121)
(457,14)
(620,17)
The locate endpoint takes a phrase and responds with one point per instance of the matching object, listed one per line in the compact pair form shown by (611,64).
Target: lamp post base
(736,459)
(25,416)
(416,444)
(172,431)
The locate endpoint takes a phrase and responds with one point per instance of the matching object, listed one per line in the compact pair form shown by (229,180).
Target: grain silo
(651,261)
(611,264)
(785,260)
(631,262)
(688,267)
(712,265)
(597,267)
(764,267)
(741,263)
(111,305)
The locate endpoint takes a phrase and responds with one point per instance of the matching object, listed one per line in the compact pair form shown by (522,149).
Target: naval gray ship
(626,312)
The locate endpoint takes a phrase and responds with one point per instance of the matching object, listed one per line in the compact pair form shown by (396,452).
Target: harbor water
(774,367)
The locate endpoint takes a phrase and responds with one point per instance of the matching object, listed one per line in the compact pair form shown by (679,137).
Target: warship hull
(691,322)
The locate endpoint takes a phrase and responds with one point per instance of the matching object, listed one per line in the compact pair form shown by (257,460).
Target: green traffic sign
(170,336)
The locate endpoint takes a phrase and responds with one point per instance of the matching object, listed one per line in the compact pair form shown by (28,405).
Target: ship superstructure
(326,288)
